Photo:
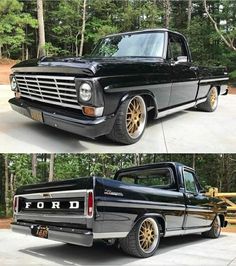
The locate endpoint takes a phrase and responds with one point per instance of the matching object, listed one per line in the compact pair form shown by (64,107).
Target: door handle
(194,68)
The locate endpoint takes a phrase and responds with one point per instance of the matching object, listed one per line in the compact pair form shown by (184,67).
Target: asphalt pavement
(17,249)
(183,132)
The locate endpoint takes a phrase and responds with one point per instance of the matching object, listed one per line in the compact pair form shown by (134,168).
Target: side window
(176,48)
(189,182)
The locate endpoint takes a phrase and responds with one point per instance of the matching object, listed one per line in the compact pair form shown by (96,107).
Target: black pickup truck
(127,77)
(136,208)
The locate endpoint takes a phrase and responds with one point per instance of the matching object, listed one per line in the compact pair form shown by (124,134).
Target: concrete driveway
(16,249)
(183,132)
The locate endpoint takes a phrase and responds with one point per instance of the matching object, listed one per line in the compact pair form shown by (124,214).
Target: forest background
(72,27)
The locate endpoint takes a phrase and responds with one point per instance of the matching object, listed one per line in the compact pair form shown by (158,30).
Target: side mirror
(182,59)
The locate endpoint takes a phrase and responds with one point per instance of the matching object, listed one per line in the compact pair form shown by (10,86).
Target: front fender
(148,96)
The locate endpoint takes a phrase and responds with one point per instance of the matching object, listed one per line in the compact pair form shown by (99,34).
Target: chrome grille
(57,90)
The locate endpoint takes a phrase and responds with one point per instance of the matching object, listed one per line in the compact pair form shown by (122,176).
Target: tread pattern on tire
(118,132)
(130,246)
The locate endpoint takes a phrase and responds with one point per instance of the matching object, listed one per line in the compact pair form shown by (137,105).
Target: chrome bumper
(77,237)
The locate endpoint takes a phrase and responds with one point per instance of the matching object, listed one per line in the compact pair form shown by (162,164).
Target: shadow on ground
(101,254)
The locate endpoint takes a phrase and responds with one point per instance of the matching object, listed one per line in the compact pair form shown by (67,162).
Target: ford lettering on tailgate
(54,204)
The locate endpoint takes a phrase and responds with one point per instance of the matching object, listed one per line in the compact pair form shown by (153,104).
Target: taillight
(90,204)
(15,204)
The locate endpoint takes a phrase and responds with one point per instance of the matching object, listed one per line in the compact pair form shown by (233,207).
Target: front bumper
(66,120)
(66,235)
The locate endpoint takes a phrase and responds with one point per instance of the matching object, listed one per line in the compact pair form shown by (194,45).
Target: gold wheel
(148,235)
(136,117)
(213,98)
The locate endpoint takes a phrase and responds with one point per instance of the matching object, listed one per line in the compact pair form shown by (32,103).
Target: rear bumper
(66,235)
(67,120)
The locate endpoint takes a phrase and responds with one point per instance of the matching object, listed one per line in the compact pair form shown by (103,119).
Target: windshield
(133,45)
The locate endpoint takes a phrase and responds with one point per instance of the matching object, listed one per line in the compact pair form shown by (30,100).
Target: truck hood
(89,67)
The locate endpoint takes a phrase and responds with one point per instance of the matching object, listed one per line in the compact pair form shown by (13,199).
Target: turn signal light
(88,110)
(90,204)
(92,111)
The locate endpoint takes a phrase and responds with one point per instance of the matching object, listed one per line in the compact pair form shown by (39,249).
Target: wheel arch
(157,216)
(148,96)
(214,85)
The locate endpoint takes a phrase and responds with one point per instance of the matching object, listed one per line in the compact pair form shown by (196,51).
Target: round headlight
(13,84)
(85,92)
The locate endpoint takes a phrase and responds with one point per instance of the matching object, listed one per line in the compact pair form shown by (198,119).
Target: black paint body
(164,84)
(118,206)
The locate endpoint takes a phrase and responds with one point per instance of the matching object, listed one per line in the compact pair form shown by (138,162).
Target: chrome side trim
(110,235)
(176,109)
(214,79)
(201,100)
(186,231)
(138,205)
(137,88)
(198,209)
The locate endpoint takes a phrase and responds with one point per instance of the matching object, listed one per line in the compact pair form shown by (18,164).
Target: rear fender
(157,216)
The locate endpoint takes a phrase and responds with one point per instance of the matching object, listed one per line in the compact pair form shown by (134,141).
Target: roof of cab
(144,31)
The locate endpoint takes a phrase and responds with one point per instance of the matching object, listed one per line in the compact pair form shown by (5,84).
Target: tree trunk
(83,29)
(167,8)
(0,51)
(26,53)
(51,167)
(34,164)
(41,46)
(6,184)
(189,13)
(76,44)
(12,185)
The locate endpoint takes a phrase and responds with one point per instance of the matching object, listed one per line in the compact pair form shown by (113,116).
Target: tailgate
(64,202)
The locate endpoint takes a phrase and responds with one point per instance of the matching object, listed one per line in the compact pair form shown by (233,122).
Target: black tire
(121,131)
(211,103)
(134,243)
(215,229)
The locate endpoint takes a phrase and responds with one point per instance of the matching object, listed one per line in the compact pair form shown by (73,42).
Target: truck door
(183,76)
(197,207)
